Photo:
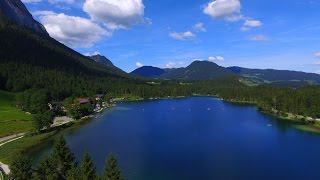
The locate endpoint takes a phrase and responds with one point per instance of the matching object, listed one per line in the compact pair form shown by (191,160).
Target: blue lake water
(198,138)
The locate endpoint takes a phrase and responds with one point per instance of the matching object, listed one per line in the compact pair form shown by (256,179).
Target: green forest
(36,71)
(61,165)
(42,70)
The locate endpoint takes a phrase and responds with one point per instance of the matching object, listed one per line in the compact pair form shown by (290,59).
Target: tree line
(303,101)
(300,101)
(30,62)
(61,165)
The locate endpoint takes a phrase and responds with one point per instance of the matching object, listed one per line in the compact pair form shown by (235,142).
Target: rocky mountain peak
(17,11)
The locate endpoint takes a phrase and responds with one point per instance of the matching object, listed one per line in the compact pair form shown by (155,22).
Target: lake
(200,138)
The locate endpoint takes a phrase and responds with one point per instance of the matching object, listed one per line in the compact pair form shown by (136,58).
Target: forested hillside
(32,61)
(148,72)
(106,62)
(280,78)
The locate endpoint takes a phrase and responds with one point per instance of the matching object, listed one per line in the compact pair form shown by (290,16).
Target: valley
(199,117)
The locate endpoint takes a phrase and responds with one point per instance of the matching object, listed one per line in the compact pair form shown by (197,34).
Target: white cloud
(62,7)
(216,58)
(224,9)
(42,13)
(198,59)
(199,27)
(61,1)
(317,54)
(252,23)
(139,64)
(248,24)
(230,10)
(175,64)
(182,36)
(31,1)
(92,54)
(71,30)
(259,38)
(116,14)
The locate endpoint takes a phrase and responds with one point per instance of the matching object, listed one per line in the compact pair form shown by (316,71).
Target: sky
(173,33)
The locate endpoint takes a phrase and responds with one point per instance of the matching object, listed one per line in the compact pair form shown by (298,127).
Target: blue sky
(172,33)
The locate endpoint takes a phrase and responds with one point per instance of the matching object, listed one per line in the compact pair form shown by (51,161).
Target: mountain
(198,70)
(205,70)
(276,77)
(30,60)
(105,62)
(148,72)
(17,12)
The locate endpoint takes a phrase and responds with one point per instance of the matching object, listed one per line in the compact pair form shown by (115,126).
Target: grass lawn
(12,120)
(9,150)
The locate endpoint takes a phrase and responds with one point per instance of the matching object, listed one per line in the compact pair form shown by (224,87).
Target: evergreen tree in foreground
(63,158)
(21,168)
(46,170)
(112,171)
(62,166)
(73,173)
(87,169)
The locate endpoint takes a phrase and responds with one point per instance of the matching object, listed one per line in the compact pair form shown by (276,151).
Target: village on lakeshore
(79,108)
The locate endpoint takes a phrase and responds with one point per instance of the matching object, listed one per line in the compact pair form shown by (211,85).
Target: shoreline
(47,136)
(303,120)
(149,99)
(84,120)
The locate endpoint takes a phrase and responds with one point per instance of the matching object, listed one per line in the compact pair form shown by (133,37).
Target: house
(99,97)
(83,100)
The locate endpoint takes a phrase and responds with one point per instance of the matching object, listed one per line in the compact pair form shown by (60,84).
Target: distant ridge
(279,77)
(205,70)
(105,62)
(148,72)
(198,70)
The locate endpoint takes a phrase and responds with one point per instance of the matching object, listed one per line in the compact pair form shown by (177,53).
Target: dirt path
(59,121)
(6,140)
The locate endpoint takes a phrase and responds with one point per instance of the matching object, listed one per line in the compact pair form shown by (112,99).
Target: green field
(12,120)
(9,150)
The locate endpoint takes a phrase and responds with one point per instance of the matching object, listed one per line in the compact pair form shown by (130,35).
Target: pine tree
(63,158)
(88,171)
(45,170)
(73,173)
(21,168)
(112,171)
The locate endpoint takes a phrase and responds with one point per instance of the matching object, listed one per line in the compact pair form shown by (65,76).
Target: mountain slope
(17,11)
(105,62)
(29,60)
(276,77)
(148,72)
(22,45)
(198,70)
(205,70)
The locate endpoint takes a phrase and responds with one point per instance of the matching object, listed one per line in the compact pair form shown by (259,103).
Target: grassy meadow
(12,119)
(10,150)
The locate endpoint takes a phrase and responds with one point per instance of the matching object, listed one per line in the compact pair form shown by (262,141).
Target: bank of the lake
(32,142)
(303,123)
(199,137)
